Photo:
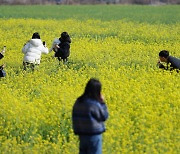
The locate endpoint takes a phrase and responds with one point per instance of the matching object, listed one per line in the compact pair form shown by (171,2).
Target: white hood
(36,42)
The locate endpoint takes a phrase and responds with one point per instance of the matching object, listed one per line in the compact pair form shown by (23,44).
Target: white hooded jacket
(32,51)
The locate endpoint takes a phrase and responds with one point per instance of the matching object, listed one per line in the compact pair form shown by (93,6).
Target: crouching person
(88,116)
(32,51)
(171,62)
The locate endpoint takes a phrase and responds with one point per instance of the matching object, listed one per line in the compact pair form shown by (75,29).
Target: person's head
(65,37)
(36,36)
(163,55)
(93,89)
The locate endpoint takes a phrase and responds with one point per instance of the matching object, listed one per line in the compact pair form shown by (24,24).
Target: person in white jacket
(32,51)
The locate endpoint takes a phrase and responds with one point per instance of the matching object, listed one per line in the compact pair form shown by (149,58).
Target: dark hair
(164,54)
(65,37)
(92,90)
(36,36)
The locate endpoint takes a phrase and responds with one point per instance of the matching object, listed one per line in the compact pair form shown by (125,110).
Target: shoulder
(171,58)
(174,60)
(87,101)
(36,42)
(94,103)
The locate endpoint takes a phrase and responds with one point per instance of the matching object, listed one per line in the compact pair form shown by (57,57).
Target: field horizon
(166,14)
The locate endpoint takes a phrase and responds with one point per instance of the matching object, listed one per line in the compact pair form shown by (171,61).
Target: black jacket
(1,56)
(64,50)
(173,63)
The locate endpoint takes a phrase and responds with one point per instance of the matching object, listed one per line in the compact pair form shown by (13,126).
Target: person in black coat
(63,48)
(1,55)
(2,72)
(172,62)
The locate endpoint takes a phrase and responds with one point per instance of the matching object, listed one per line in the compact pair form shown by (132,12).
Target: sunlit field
(143,101)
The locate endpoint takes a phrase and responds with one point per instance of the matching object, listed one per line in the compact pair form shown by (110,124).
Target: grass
(168,14)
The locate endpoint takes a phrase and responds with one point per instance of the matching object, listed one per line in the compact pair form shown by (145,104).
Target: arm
(101,112)
(104,112)
(45,50)
(161,65)
(26,47)
(2,67)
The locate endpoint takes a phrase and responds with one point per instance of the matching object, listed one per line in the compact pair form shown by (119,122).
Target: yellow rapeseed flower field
(143,101)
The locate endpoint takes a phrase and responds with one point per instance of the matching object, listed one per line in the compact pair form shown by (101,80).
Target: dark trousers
(62,59)
(90,144)
(28,65)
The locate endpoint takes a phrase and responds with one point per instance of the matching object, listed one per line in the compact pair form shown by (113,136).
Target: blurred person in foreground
(2,71)
(171,62)
(88,117)
(32,51)
(61,47)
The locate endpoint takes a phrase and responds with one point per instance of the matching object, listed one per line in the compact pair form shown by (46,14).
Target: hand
(3,51)
(57,46)
(159,63)
(102,98)
(2,66)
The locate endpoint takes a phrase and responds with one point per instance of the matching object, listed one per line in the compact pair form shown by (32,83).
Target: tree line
(142,2)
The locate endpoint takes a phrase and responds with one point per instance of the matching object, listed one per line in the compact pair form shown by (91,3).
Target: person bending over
(171,62)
